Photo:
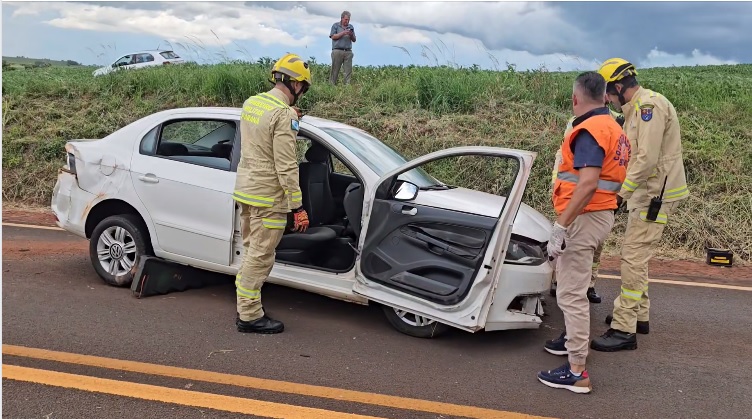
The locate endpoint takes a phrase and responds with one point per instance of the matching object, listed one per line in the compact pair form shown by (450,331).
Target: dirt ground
(684,270)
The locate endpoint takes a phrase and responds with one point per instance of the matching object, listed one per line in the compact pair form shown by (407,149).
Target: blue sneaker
(562,377)
(556,346)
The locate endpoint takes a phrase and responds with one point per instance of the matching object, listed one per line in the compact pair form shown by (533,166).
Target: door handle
(411,211)
(150,178)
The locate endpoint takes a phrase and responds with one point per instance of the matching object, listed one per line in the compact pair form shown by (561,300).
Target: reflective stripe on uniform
(605,185)
(253,200)
(274,223)
(269,97)
(631,294)
(660,219)
(245,292)
(629,185)
(676,193)
(296,196)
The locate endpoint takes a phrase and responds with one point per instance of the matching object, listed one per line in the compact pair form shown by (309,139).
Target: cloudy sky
(559,35)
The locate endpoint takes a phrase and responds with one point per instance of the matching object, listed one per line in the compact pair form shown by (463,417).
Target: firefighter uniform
(266,188)
(592,295)
(652,126)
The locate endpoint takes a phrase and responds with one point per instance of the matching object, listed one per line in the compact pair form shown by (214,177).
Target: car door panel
(438,263)
(434,254)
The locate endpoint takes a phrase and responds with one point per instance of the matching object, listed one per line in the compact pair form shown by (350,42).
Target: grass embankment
(416,110)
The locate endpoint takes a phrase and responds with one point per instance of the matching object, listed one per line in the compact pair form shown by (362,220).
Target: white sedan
(382,231)
(141,59)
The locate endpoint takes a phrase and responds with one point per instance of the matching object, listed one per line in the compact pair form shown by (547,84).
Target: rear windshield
(169,55)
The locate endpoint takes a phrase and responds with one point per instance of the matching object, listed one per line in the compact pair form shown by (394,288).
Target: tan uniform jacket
(268,169)
(652,127)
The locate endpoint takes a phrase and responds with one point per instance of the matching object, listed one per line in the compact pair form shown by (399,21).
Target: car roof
(144,51)
(308,119)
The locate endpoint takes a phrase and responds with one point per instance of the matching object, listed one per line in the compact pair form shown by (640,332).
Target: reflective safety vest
(614,142)
(267,174)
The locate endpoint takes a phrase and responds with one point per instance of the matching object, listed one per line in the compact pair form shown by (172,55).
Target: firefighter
(594,162)
(656,168)
(592,296)
(266,186)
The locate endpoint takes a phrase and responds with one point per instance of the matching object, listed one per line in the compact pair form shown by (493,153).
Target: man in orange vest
(594,164)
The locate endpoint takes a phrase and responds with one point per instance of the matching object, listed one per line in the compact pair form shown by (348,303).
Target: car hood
(528,223)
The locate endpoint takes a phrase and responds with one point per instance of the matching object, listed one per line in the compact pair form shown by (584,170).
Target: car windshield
(378,156)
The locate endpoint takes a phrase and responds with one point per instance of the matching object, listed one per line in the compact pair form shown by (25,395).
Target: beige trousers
(573,274)
(640,240)
(341,59)
(262,231)
(596,266)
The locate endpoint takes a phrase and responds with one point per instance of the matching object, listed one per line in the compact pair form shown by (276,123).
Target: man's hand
(299,220)
(298,111)
(619,204)
(556,244)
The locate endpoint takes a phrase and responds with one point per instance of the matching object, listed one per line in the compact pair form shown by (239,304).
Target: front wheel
(115,247)
(412,324)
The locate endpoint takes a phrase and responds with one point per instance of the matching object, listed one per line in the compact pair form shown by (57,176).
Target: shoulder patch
(646,112)
(294,125)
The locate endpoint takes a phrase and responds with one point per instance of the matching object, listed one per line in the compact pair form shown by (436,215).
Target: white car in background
(141,59)
(382,231)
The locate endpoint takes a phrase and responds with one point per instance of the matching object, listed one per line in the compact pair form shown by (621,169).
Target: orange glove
(300,220)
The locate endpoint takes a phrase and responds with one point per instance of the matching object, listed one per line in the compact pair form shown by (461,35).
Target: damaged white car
(382,229)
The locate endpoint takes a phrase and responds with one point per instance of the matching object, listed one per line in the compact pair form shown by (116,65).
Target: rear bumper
(70,204)
(517,302)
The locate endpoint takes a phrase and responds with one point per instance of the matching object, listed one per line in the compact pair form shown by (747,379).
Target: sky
(556,35)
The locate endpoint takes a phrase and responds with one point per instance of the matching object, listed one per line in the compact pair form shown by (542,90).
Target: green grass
(416,110)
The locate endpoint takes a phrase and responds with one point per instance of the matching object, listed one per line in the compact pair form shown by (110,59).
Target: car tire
(409,324)
(123,232)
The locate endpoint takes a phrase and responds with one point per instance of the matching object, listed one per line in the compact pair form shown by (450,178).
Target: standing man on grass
(595,155)
(343,36)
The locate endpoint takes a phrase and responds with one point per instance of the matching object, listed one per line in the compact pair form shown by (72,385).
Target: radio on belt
(655,204)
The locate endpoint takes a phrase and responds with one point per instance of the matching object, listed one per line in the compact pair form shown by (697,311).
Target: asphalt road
(694,364)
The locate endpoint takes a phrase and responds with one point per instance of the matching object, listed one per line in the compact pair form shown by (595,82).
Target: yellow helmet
(293,67)
(615,69)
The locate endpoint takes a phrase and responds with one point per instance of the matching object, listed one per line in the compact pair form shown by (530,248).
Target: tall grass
(416,110)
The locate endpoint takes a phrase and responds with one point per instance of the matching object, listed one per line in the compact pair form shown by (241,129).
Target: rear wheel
(115,247)
(412,324)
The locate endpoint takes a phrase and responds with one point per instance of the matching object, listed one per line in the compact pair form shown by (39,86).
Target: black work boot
(263,325)
(643,328)
(614,340)
(592,296)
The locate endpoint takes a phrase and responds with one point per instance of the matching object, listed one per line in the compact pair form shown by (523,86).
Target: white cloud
(177,22)
(392,35)
(657,58)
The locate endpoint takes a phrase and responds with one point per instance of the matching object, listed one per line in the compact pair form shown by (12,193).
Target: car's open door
(431,261)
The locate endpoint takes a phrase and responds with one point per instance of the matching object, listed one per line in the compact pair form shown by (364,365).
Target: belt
(343,49)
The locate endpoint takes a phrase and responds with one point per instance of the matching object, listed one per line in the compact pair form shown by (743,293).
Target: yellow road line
(171,395)
(32,226)
(687,283)
(402,403)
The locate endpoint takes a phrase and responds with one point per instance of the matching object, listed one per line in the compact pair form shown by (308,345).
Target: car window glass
(378,156)
(149,142)
(169,55)
(145,58)
(124,60)
(301,146)
(494,175)
(203,142)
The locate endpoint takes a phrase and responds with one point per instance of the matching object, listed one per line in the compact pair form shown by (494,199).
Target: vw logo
(116,251)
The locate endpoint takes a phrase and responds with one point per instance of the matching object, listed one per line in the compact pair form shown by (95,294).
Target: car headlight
(525,252)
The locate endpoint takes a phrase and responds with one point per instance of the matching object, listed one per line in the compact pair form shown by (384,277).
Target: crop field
(416,110)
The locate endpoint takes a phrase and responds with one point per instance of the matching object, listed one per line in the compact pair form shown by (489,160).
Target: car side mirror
(404,191)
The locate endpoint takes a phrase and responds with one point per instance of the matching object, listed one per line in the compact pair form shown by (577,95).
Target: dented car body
(382,230)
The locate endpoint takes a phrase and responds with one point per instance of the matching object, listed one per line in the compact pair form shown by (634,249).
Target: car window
(144,58)
(204,142)
(378,156)
(123,61)
(169,55)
